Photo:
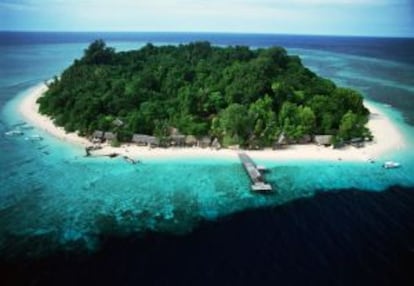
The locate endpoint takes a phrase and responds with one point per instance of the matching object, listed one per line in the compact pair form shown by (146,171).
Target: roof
(190,139)
(323,139)
(206,139)
(153,140)
(109,135)
(139,137)
(174,131)
(98,134)
(357,140)
(142,138)
(177,137)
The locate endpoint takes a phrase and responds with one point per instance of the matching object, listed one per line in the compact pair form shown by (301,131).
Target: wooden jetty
(255,174)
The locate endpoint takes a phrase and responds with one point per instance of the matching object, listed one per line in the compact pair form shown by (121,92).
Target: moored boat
(27,127)
(391,165)
(130,160)
(14,132)
(34,138)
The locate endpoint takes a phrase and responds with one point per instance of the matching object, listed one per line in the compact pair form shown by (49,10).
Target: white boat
(391,165)
(27,127)
(14,133)
(34,138)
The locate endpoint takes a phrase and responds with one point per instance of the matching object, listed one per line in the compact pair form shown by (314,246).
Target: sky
(316,17)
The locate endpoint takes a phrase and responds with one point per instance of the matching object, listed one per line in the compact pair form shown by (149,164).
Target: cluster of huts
(101,136)
(322,140)
(177,140)
(327,140)
(180,140)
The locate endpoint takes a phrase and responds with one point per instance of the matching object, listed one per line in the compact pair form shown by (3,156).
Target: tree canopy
(239,95)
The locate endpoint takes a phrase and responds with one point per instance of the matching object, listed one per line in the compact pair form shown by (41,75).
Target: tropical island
(236,95)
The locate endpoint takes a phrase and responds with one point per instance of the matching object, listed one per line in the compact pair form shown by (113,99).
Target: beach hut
(204,142)
(109,136)
(153,141)
(140,139)
(325,140)
(190,141)
(145,140)
(306,139)
(97,136)
(357,142)
(177,140)
(173,131)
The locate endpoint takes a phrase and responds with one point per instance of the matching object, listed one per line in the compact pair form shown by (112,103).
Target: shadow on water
(348,237)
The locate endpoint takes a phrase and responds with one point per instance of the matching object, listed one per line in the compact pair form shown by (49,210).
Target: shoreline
(387,138)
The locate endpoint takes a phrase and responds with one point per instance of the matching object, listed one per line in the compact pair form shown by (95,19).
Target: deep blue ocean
(68,220)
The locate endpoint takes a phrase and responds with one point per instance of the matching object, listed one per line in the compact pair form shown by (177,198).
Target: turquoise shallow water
(50,192)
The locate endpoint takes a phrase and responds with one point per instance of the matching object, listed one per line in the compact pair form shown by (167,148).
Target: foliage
(115,143)
(239,95)
(352,127)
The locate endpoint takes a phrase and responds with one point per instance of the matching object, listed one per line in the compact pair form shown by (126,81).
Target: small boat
(130,160)
(391,165)
(34,138)
(14,133)
(18,124)
(27,127)
(112,155)
(41,147)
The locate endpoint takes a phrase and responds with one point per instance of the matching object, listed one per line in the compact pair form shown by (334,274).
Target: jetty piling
(255,174)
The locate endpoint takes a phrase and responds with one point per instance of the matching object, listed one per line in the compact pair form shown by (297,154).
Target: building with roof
(145,140)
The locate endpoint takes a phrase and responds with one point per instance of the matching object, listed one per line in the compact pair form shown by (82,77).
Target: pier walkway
(255,174)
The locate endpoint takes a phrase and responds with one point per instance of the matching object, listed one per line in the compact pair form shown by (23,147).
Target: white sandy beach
(387,138)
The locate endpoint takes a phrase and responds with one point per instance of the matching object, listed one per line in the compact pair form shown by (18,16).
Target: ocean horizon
(334,223)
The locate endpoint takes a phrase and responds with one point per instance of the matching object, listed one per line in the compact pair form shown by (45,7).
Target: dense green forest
(236,94)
